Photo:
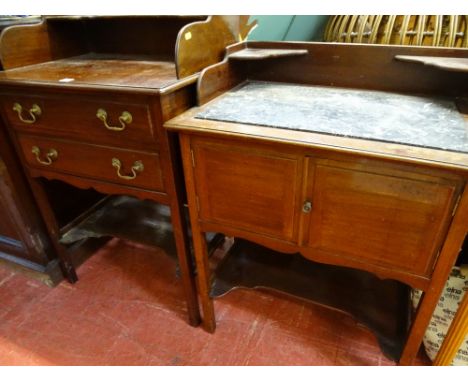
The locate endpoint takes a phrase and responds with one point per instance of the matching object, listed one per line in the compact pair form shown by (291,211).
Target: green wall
(288,27)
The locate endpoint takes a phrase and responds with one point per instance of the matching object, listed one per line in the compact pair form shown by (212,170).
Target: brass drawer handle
(124,119)
(136,168)
(51,155)
(307,207)
(34,112)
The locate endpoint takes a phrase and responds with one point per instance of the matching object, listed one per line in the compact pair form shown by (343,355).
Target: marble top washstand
(375,115)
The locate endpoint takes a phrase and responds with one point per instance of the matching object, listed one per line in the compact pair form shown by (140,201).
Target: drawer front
(96,121)
(370,213)
(131,168)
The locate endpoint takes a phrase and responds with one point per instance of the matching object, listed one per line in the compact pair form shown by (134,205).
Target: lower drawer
(129,167)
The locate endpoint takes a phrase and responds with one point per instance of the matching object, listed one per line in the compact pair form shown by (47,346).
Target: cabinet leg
(448,255)
(52,227)
(455,336)
(199,241)
(174,188)
(203,278)
(69,271)
(186,269)
(418,328)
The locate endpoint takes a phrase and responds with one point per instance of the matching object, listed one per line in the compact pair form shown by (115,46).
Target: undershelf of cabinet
(381,305)
(129,218)
(70,203)
(83,249)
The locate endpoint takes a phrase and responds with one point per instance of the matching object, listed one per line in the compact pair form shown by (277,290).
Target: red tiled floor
(128,309)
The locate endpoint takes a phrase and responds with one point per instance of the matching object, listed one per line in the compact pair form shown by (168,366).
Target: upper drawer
(95,121)
(128,167)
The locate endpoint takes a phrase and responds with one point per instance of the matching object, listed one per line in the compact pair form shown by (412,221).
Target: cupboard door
(247,188)
(370,212)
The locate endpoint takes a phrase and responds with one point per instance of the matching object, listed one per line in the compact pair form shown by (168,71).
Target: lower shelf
(129,218)
(381,305)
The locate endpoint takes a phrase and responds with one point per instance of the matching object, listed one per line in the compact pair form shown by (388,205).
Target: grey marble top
(375,115)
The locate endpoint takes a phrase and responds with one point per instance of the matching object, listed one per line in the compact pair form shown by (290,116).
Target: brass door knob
(307,206)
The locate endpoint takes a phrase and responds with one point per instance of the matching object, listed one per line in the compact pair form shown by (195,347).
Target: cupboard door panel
(366,214)
(249,189)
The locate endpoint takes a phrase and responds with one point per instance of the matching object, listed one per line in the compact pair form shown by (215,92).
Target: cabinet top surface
(153,72)
(416,129)
(374,115)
